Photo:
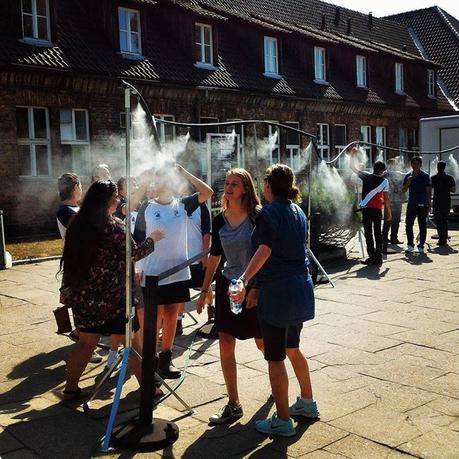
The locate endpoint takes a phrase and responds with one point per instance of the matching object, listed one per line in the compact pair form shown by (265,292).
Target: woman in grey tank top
(231,242)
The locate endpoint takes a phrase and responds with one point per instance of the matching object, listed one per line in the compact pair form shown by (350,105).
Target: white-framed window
(204,45)
(380,139)
(129,31)
(403,138)
(166,131)
(365,136)
(323,140)
(361,71)
(74,128)
(34,144)
(320,68)
(340,141)
(272,144)
(292,145)
(431,83)
(399,78)
(271,57)
(239,130)
(380,135)
(35,20)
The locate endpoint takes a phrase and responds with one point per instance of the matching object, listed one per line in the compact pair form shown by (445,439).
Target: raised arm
(204,190)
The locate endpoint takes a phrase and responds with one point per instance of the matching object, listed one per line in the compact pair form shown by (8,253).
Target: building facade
(330,71)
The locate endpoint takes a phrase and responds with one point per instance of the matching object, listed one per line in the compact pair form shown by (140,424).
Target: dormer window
(361,71)
(35,20)
(431,83)
(129,31)
(204,45)
(271,57)
(399,78)
(320,70)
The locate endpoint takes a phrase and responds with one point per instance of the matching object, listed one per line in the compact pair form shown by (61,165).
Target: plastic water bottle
(236,308)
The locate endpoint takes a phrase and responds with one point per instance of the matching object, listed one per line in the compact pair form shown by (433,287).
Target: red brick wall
(29,204)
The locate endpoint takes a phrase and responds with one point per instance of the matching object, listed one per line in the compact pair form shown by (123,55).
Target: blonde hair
(250,200)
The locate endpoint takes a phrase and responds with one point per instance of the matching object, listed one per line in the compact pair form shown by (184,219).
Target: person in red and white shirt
(375,197)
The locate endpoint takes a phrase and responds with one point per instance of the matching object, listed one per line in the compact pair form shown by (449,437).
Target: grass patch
(35,249)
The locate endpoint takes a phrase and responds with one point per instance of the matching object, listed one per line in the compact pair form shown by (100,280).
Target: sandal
(72,395)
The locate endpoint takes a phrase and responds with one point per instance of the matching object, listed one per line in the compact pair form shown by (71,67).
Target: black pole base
(153,437)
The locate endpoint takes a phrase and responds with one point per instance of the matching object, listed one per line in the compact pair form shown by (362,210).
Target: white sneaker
(409,249)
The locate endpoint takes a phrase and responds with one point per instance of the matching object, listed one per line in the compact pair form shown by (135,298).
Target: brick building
(326,69)
(441,46)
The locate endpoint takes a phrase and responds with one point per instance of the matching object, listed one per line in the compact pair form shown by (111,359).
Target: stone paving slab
(383,353)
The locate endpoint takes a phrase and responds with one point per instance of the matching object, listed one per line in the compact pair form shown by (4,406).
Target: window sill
(323,82)
(364,88)
(400,93)
(131,56)
(205,66)
(36,42)
(274,76)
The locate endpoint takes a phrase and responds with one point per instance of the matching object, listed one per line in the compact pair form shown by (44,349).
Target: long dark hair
(86,232)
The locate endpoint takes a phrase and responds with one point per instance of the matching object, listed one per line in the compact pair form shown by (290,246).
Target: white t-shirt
(198,226)
(172,219)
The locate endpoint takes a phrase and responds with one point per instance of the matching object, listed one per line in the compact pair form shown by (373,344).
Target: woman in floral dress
(93,284)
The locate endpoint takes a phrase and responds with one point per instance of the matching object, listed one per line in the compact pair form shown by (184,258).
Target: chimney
(370,20)
(324,22)
(337,16)
(349,26)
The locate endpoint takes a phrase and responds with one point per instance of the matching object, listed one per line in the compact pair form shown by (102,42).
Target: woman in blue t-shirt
(286,295)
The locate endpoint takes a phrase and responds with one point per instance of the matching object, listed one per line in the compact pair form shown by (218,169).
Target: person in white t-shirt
(198,241)
(169,214)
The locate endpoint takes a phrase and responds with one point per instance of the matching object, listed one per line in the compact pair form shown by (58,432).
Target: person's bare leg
(279,385)
(301,369)
(227,345)
(78,359)
(169,325)
(159,323)
(259,343)
(141,318)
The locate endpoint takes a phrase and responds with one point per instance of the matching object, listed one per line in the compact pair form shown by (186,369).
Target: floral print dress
(102,296)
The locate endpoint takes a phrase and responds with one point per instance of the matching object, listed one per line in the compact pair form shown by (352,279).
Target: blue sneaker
(276,426)
(306,409)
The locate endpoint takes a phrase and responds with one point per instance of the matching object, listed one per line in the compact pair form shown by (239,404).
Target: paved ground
(383,351)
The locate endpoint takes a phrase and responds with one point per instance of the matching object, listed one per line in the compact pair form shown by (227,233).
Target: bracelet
(244,281)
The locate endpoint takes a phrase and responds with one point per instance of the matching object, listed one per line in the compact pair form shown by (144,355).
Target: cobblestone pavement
(383,351)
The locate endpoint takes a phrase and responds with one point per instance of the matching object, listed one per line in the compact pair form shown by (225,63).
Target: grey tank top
(237,247)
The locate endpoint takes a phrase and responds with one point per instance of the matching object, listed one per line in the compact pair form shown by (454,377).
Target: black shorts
(177,292)
(116,326)
(197,276)
(277,339)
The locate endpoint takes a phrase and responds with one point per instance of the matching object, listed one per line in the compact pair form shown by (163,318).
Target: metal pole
(2,243)
(127,105)
(149,359)
(255,147)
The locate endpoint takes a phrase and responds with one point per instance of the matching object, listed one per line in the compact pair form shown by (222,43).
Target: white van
(436,134)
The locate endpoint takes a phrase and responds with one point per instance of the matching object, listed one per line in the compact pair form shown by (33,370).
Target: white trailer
(436,134)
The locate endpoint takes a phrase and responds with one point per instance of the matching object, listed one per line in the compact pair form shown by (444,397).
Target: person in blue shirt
(286,296)
(418,183)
